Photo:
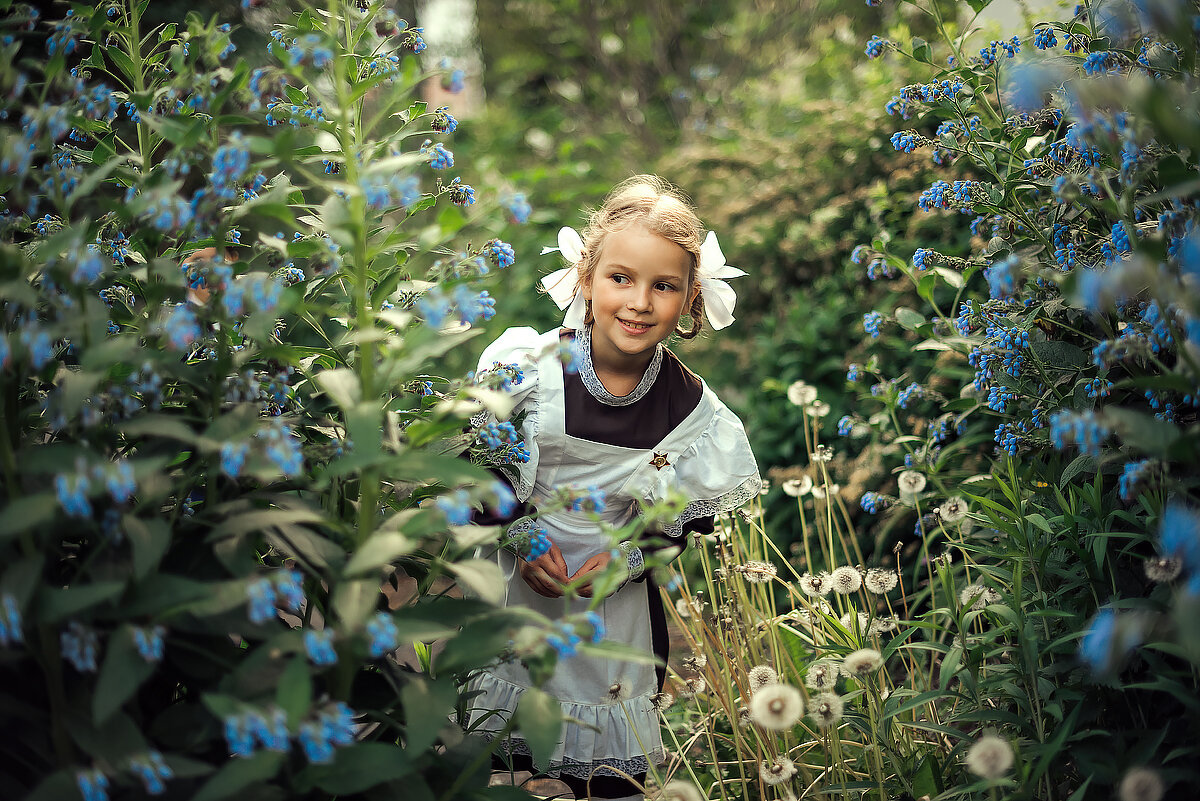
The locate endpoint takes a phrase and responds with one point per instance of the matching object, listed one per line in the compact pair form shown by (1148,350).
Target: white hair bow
(564,289)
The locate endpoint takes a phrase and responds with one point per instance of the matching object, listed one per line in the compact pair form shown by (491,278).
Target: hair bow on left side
(563,285)
(719,297)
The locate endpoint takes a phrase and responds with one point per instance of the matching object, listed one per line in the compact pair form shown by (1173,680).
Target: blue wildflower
(11,632)
(261,593)
(873,502)
(1044,38)
(460,194)
(506,501)
(456,508)
(875,47)
(1180,536)
(1001,278)
(318,644)
(73,495)
(853,372)
(518,207)
(597,624)
(439,157)
(290,589)
(442,121)
(385,637)
(1133,477)
(79,645)
(845,425)
(153,770)
(92,784)
(238,736)
(872,322)
(149,642)
(499,253)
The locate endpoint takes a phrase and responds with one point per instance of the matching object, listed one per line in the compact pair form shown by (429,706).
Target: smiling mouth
(634,325)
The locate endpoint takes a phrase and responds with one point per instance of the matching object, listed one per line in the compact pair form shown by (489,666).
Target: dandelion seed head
(850,619)
(744,716)
(757,572)
(1163,569)
(692,687)
(777,771)
(883,625)
(677,790)
(911,482)
(618,691)
(978,596)
(861,663)
(880,581)
(816,584)
(760,676)
(953,510)
(845,580)
(1140,784)
(662,701)
(797,487)
(826,709)
(776,707)
(817,408)
(801,393)
(695,662)
(990,757)
(822,675)
(683,607)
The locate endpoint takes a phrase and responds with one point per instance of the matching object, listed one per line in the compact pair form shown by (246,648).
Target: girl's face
(641,286)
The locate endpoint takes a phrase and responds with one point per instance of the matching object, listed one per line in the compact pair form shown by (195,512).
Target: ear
(586,288)
(692,297)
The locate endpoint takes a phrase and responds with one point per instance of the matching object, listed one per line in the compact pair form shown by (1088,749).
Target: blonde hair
(664,210)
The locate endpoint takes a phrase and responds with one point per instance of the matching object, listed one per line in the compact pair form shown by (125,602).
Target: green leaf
(539,718)
(921,50)
(908,318)
(294,693)
(427,705)
(483,577)
(359,767)
(354,600)
(27,512)
(123,672)
(1059,354)
(1142,431)
(238,774)
(1083,463)
(342,386)
(150,539)
(56,604)
(381,548)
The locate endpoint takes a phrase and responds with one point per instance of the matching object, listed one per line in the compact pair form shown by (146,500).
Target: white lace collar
(587,373)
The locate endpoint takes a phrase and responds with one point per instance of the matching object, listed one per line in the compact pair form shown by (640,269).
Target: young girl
(636,423)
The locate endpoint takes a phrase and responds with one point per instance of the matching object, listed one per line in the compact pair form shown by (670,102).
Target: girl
(634,422)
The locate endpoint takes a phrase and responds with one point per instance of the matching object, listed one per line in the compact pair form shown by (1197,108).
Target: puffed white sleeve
(520,348)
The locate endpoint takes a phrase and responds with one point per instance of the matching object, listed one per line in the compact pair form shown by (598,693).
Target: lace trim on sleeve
(635,560)
(518,534)
(714,506)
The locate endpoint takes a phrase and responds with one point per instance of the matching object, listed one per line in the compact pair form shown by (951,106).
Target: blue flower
(385,637)
(79,644)
(317,748)
(455,82)
(73,495)
(872,321)
(873,502)
(506,501)
(1044,39)
(875,48)
(10,621)
(318,644)
(597,624)
(439,157)
(153,770)
(442,121)
(518,207)
(499,253)
(1096,647)
(473,306)
(180,326)
(93,785)
(261,593)
(282,448)
(853,372)
(539,544)
(845,425)
(238,736)
(456,508)
(1002,282)
(120,482)
(1180,536)
(149,642)
(592,500)
(1082,428)
(434,307)
(460,194)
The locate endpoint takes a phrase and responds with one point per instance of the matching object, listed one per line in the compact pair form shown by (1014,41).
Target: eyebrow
(660,277)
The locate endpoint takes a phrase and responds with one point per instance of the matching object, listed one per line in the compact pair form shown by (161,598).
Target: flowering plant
(231,498)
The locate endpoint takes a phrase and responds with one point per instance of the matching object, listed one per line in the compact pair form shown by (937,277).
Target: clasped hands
(547,574)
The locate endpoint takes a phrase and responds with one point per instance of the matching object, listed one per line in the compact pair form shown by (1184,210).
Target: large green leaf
(122,673)
(57,604)
(239,774)
(427,707)
(539,719)
(358,767)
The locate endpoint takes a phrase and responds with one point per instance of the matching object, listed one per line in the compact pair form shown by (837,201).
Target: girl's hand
(546,574)
(595,564)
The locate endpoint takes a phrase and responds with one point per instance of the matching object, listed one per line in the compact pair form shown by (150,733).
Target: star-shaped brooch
(659,461)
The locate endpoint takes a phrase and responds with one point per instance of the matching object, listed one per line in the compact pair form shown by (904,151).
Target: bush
(232,484)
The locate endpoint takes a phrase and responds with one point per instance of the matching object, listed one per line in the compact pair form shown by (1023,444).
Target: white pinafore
(611,698)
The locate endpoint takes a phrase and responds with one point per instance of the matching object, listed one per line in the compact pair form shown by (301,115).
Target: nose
(640,299)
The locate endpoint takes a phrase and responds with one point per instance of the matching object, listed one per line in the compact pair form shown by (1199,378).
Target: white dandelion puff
(776,707)
(1140,784)
(662,701)
(676,790)
(683,607)
(817,408)
(757,572)
(953,510)
(815,584)
(823,453)
(911,482)
(760,676)
(744,716)
(777,770)
(990,757)
(849,620)
(797,487)
(861,663)
(825,709)
(845,580)
(801,393)
(978,596)
(1163,569)
(880,581)
(692,687)
(822,675)
(882,625)
(695,662)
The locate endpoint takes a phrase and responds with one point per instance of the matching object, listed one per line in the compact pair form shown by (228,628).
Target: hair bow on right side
(719,297)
